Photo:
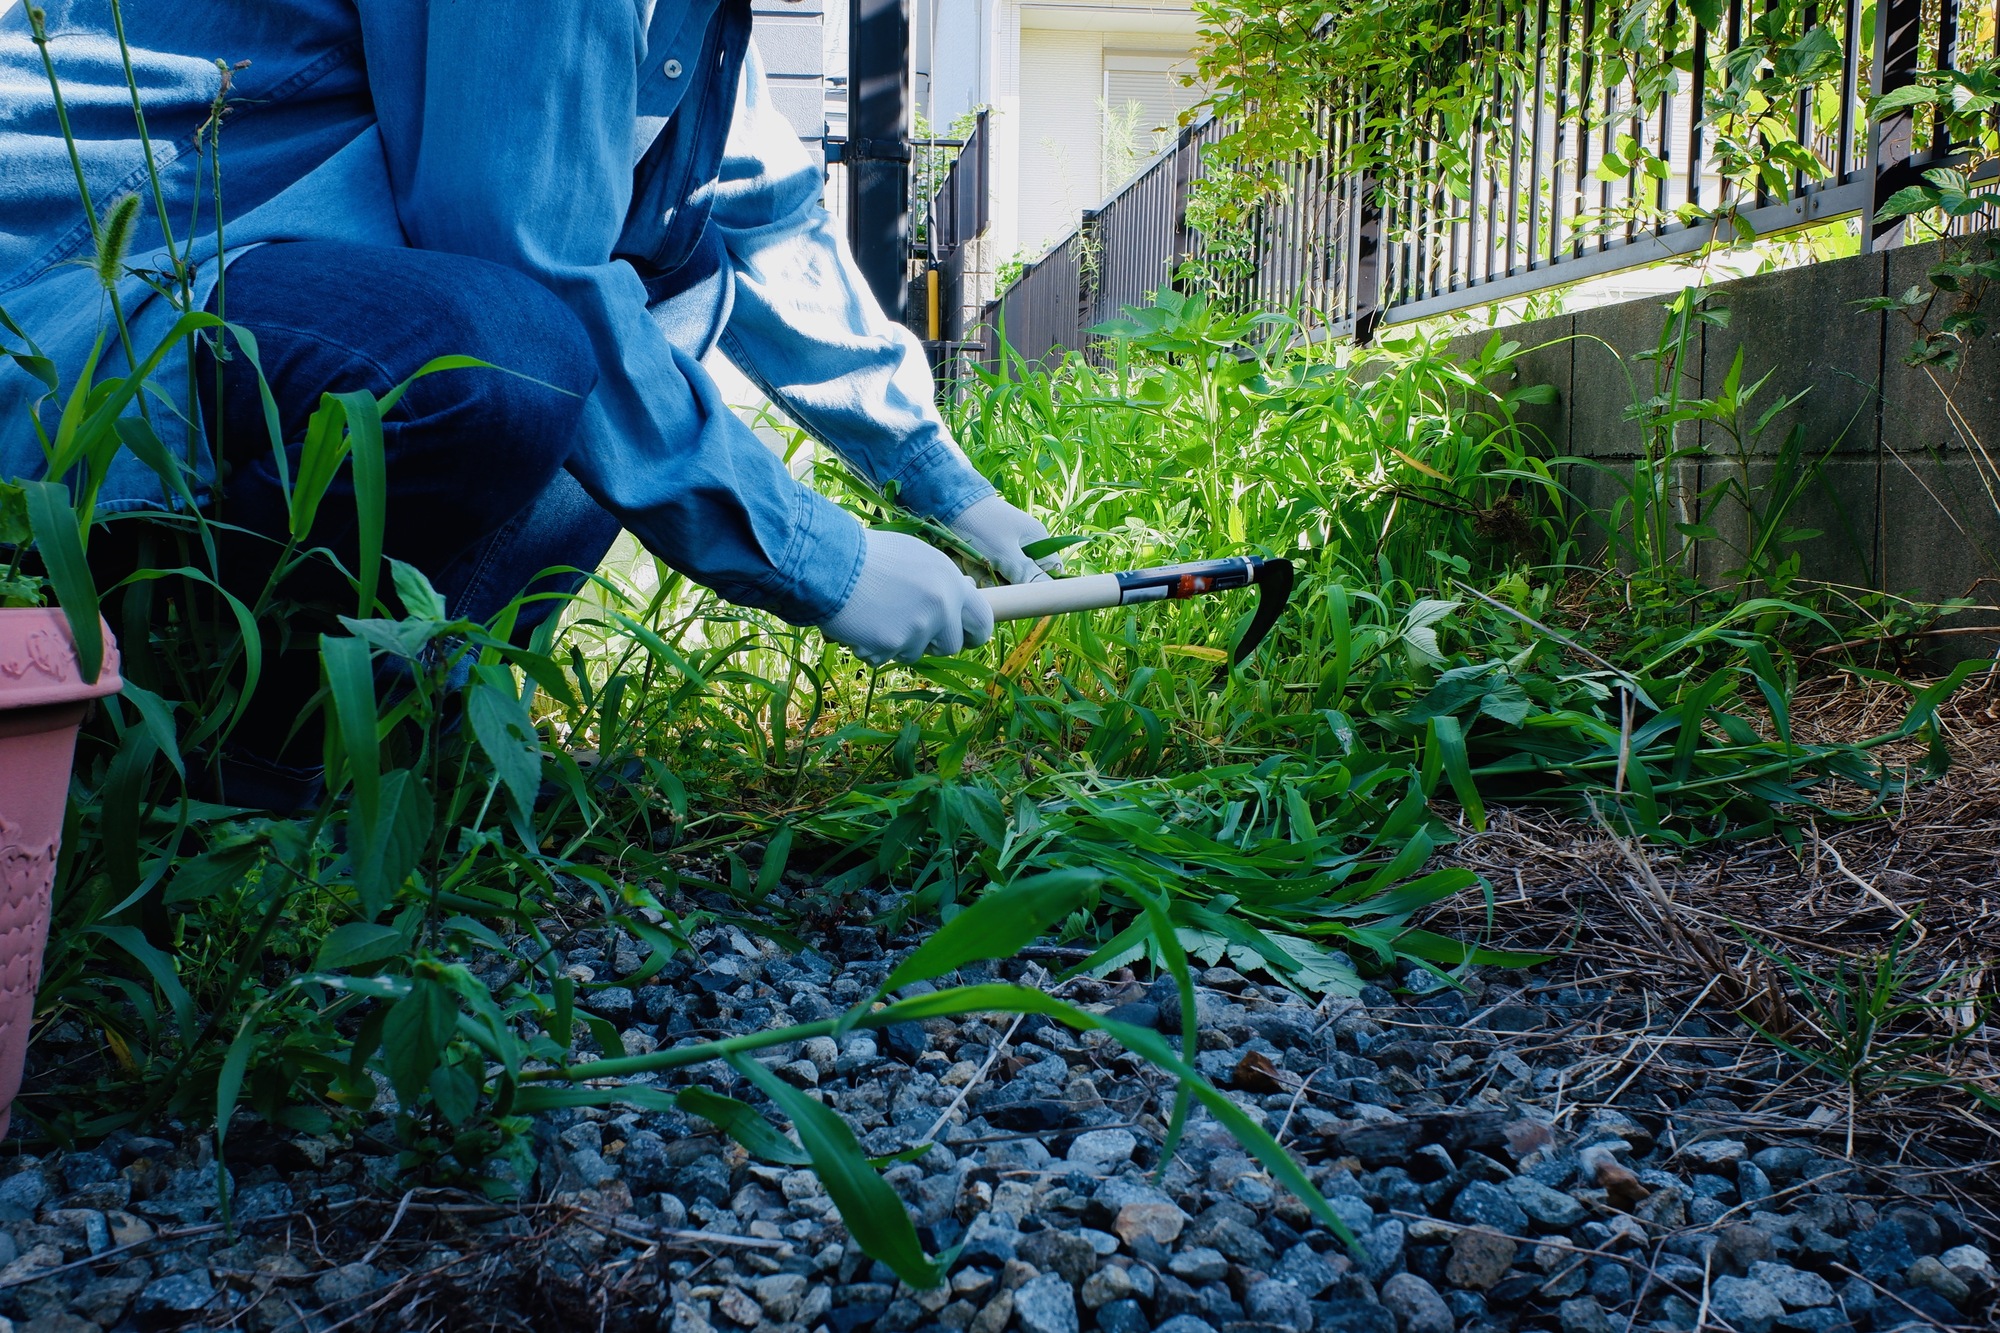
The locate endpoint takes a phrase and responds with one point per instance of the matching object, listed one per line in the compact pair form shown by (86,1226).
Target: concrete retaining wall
(1903,501)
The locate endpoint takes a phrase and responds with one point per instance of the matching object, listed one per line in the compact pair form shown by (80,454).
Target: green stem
(681,1056)
(38,29)
(221,271)
(152,163)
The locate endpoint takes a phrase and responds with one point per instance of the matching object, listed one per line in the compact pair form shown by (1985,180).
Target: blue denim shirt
(509,130)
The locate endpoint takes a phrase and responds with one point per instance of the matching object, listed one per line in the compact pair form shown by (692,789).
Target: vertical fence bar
(1423,222)
(1452,228)
(1605,186)
(1560,127)
(1804,127)
(1514,144)
(1850,87)
(1367,267)
(1697,96)
(1891,141)
(1532,240)
(1586,71)
(1499,232)
(1666,136)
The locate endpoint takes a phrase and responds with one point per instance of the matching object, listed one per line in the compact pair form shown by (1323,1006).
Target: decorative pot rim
(38,661)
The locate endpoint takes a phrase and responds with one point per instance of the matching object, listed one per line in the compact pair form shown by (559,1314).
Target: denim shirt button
(672,69)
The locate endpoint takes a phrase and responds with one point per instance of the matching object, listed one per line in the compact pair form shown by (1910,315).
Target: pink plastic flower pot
(43,697)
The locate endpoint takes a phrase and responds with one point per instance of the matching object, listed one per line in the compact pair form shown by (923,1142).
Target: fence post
(1089,250)
(1366,283)
(877,152)
(1187,164)
(1892,142)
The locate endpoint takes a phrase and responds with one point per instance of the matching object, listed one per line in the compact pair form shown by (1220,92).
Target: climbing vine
(1401,91)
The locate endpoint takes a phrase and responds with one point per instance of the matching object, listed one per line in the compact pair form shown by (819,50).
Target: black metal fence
(1124,250)
(957,212)
(949,181)
(945,258)
(1563,172)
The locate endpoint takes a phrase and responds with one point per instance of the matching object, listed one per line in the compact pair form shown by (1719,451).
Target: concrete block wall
(1902,500)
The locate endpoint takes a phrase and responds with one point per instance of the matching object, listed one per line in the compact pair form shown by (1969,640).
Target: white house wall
(1062,75)
(951,58)
(1047,71)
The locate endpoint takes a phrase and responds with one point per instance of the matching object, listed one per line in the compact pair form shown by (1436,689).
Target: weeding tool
(1093,592)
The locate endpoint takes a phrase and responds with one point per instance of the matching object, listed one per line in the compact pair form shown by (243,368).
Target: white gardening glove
(998,531)
(910,602)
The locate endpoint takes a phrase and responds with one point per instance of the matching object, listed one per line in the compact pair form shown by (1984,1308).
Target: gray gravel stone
(1122,1317)
(1061,1252)
(1108,1284)
(1713,1154)
(613,1002)
(1752,1185)
(1610,1283)
(1484,1204)
(1199,1264)
(1347,1315)
(1785,1163)
(1797,1290)
(1306,1269)
(1551,1209)
(1185,1323)
(1054,1245)
(780,1294)
(1118,1191)
(20,1194)
(1416,1304)
(1240,1243)
(1383,1250)
(346,1283)
(1969,1262)
(1479,1258)
(993,1237)
(1101,1149)
(1046,1304)
(1748,1305)
(161,1303)
(1883,1250)
(1279,1303)
(1583,1315)
(1930,1273)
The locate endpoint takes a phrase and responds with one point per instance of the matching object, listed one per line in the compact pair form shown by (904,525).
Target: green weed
(1873,1025)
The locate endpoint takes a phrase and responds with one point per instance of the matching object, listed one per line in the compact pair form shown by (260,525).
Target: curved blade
(1274,591)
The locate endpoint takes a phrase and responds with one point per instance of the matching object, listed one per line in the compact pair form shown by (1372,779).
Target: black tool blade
(1274,591)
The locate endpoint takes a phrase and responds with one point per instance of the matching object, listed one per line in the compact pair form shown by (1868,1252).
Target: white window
(1143,101)
(1153,83)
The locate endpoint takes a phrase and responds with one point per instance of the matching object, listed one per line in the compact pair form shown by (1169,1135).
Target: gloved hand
(910,602)
(998,531)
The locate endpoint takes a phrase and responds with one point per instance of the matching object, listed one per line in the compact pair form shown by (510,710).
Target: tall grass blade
(998,925)
(59,540)
(874,1215)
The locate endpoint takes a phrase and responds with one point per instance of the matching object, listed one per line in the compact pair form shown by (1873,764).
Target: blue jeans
(479,497)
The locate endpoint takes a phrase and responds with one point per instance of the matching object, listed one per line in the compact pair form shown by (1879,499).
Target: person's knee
(348,317)
(539,363)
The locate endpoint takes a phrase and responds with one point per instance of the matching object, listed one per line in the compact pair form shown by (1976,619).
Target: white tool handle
(1053,597)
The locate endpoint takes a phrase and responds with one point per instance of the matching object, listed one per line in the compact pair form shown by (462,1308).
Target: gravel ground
(1525,1154)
